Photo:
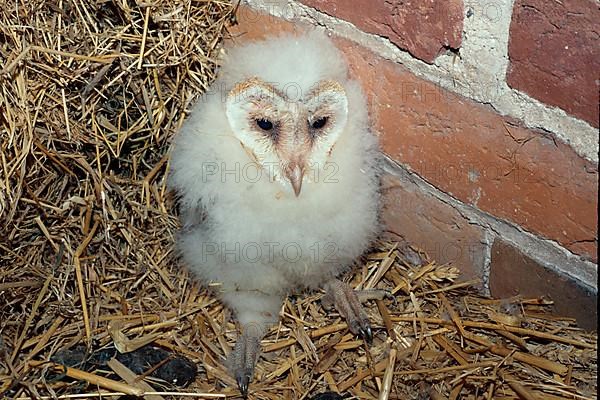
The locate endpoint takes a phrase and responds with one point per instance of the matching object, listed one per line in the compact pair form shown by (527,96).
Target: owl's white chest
(261,230)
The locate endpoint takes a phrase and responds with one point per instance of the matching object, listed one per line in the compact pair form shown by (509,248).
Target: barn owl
(276,172)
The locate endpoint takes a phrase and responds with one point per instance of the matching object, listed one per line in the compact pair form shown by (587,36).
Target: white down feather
(248,237)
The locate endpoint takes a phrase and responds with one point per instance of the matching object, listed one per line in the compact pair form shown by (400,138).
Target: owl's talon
(242,359)
(242,382)
(347,302)
(367,334)
(362,328)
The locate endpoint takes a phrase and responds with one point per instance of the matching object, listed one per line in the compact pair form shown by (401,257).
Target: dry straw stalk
(91,94)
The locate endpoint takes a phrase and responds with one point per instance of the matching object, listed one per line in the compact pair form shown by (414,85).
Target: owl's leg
(244,356)
(348,303)
(255,312)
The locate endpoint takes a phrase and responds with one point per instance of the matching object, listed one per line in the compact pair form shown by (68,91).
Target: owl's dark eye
(264,124)
(319,123)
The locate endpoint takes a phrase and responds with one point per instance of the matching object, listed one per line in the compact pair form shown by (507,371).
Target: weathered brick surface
(469,151)
(479,157)
(514,273)
(424,28)
(554,54)
(433,226)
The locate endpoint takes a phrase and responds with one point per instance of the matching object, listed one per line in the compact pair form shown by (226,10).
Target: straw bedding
(90,95)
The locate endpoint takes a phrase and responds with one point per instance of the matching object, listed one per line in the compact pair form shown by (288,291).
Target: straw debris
(91,94)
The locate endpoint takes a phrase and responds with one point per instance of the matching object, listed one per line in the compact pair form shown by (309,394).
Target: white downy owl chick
(276,172)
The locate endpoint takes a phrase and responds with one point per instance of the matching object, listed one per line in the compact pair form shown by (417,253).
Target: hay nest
(90,95)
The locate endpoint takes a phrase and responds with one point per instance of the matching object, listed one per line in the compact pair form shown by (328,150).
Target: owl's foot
(242,359)
(348,303)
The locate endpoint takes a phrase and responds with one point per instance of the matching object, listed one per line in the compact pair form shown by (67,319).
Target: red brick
(424,28)
(513,273)
(554,54)
(433,226)
(477,156)
(472,153)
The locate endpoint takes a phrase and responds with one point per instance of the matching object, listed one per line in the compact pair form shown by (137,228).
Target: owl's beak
(295,174)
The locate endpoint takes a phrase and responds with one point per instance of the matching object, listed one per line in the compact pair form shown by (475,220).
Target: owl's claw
(243,382)
(347,302)
(367,334)
(242,359)
(359,325)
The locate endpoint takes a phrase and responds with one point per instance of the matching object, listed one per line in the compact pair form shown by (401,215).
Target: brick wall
(488,114)
(554,54)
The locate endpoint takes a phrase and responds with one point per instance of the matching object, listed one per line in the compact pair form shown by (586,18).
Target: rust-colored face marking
(324,94)
(250,154)
(284,129)
(330,150)
(254,82)
(326,86)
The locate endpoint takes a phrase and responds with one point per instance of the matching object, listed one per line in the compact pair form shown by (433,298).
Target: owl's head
(287,104)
